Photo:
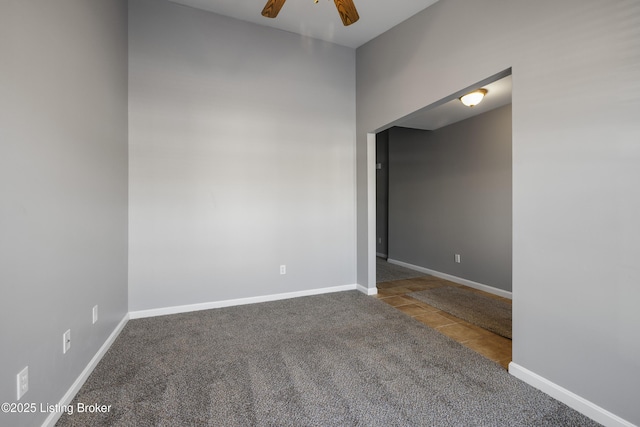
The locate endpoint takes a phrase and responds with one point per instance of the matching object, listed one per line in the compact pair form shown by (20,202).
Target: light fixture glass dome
(473,98)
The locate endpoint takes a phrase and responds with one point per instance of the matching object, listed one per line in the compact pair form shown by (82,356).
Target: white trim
(460,280)
(355,203)
(367,291)
(567,397)
(380,255)
(371,210)
(77,384)
(233,302)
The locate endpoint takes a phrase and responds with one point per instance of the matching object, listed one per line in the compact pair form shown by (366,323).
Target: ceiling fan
(346,10)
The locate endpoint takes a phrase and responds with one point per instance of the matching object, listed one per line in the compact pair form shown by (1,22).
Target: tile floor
(487,343)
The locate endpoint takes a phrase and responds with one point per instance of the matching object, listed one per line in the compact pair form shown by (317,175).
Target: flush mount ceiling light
(473,98)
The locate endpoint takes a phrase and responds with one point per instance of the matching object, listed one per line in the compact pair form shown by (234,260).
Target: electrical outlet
(23,382)
(457,259)
(95,314)
(283,269)
(66,341)
(379,239)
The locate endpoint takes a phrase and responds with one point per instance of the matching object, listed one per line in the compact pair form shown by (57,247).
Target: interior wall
(450,193)
(242,144)
(63,180)
(576,99)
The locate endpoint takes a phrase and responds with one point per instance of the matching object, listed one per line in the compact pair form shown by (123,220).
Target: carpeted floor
(387,272)
(488,313)
(341,359)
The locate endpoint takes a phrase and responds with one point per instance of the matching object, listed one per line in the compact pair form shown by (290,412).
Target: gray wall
(63,181)
(382,192)
(576,103)
(450,193)
(242,145)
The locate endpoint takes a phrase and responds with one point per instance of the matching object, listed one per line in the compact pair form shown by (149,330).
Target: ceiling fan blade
(347,11)
(272,8)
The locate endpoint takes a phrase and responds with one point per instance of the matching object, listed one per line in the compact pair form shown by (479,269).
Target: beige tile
(483,332)
(459,332)
(427,280)
(397,300)
(449,316)
(433,320)
(424,305)
(417,287)
(495,348)
(393,291)
(388,285)
(408,282)
(412,310)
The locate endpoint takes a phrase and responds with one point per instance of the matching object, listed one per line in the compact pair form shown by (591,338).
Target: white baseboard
(367,291)
(77,384)
(75,387)
(567,397)
(240,301)
(381,255)
(460,280)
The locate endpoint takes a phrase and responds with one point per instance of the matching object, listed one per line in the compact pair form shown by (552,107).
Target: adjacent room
(444,220)
(188,212)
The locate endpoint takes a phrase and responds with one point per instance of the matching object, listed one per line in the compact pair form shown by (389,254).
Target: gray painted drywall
(242,146)
(450,193)
(382,192)
(576,103)
(63,181)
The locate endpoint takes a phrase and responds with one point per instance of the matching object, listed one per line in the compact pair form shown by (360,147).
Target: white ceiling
(321,20)
(452,111)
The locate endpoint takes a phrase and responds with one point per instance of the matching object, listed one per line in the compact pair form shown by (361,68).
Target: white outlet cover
(95,314)
(23,382)
(66,341)
(283,269)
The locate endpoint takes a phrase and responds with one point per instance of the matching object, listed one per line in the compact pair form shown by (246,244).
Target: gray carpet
(341,359)
(488,313)
(387,272)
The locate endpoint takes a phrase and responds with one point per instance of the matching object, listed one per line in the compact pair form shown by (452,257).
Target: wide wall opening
(443,218)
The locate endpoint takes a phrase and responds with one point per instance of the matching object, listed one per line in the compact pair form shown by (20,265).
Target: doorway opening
(443,209)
